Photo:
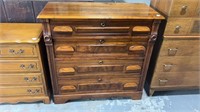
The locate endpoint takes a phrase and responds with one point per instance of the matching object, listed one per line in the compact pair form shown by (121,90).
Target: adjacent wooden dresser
(22,75)
(178,63)
(98,50)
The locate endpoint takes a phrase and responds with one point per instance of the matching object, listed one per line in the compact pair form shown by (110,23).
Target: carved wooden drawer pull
(141,29)
(167,67)
(130,85)
(137,48)
(172,51)
(183,9)
(62,29)
(65,49)
(67,71)
(163,82)
(177,29)
(133,68)
(68,88)
(12,51)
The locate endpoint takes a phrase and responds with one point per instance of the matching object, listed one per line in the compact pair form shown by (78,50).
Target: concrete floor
(181,101)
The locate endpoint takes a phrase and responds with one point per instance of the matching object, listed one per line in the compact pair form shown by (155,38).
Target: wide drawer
(21,90)
(100,27)
(98,83)
(178,64)
(19,66)
(180,47)
(101,46)
(18,50)
(182,27)
(86,67)
(175,79)
(183,8)
(20,79)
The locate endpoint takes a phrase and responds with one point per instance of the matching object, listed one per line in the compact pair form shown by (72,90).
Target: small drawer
(21,90)
(183,8)
(175,79)
(18,50)
(98,83)
(178,64)
(177,26)
(18,79)
(83,67)
(19,66)
(180,47)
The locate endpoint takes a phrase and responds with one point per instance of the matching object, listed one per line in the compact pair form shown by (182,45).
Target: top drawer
(100,27)
(18,50)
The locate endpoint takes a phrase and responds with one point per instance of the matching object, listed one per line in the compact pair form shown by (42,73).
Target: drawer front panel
(19,66)
(21,50)
(180,47)
(21,91)
(99,27)
(84,67)
(15,79)
(177,26)
(129,48)
(178,64)
(98,83)
(183,8)
(175,79)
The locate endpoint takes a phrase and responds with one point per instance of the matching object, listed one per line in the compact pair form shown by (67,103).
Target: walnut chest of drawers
(98,50)
(178,63)
(22,77)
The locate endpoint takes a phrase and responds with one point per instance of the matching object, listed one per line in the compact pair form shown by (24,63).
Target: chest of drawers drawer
(20,79)
(175,80)
(98,83)
(180,47)
(21,90)
(178,64)
(21,50)
(20,66)
(95,67)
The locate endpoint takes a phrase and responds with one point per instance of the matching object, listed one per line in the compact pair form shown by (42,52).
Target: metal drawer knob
(30,80)
(183,9)
(163,82)
(33,92)
(103,24)
(172,51)
(99,79)
(101,41)
(177,29)
(12,51)
(167,67)
(31,66)
(100,62)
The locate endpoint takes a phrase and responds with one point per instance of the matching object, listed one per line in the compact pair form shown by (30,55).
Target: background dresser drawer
(178,64)
(84,67)
(19,66)
(18,50)
(98,83)
(180,47)
(195,27)
(176,79)
(177,26)
(21,90)
(18,79)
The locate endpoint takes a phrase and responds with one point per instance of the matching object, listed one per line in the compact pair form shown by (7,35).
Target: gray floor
(179,101)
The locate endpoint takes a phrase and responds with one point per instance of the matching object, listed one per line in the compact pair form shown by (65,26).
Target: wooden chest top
(20,32)
(78,10)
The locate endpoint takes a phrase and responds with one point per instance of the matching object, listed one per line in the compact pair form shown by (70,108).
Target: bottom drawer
(175,79)
(21,90)
(98,83)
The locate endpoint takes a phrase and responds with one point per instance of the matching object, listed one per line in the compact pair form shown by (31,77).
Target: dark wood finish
(94,56)
(3,16)
(23,11)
